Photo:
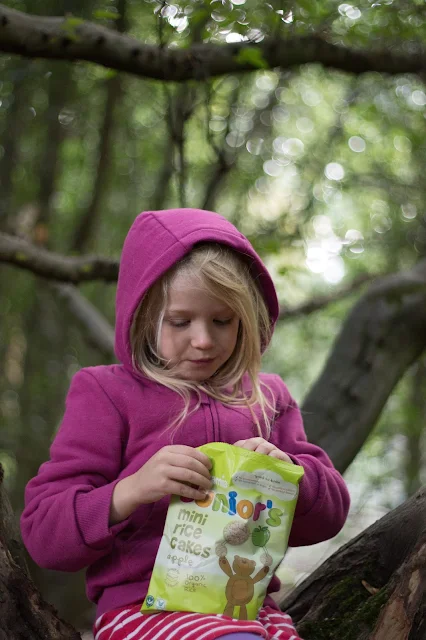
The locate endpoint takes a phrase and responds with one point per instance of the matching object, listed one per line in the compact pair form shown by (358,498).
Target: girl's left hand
(260,445)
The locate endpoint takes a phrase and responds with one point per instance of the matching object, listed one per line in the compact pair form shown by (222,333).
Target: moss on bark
(350,611)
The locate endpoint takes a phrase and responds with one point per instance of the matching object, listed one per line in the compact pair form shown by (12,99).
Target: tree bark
(54,266)
(23,613)
(383,335)
(374,587)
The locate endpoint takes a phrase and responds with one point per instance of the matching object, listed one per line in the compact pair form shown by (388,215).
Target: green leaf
(72,22)
(69,27)
(252,56)
(100,14)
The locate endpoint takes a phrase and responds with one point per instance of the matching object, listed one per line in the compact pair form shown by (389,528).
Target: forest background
(304,124)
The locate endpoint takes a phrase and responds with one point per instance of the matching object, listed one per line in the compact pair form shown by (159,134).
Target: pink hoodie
(116,419)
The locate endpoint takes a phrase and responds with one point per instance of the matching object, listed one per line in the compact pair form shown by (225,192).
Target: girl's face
(199,332)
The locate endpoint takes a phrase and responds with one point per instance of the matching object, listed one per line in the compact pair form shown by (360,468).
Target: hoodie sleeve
(65,522)
(323,502)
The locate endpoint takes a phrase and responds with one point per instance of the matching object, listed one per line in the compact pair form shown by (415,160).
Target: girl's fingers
(188,476)
(265,448)
(260,445)
(184,490)
(277,453)
(190,452)
(187,462)
(249,444)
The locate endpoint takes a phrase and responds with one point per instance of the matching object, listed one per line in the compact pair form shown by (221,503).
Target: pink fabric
(115,420)
(129,622)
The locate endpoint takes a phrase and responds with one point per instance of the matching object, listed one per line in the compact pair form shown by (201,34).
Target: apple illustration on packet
(237,533)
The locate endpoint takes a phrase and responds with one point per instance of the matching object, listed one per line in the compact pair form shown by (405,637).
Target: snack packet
(219,554)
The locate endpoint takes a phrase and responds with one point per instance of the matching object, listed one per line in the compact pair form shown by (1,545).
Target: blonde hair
(226,275)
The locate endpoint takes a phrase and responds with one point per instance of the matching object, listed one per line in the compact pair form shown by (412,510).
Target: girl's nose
(202,338)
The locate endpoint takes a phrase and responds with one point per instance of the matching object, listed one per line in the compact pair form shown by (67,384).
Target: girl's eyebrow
(172,310)
(177,310)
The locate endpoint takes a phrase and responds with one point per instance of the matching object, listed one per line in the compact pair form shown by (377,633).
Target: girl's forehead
(188,290)
(186,281)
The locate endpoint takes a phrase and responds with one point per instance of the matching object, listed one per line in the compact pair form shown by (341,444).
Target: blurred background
(322,168)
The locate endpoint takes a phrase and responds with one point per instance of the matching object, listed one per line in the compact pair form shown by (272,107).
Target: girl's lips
(204,361)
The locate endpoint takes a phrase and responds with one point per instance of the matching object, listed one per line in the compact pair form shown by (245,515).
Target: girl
(195,309)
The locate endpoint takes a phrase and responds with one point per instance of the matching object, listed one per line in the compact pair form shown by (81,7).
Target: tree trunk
(372,588)
(379,341)
(23,613)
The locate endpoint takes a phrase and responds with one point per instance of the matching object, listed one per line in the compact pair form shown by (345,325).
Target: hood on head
(159,239)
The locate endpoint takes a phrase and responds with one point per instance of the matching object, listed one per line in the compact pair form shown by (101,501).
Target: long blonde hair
(226,275)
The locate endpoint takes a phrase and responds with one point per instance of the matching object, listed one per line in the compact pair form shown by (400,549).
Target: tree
(382,336)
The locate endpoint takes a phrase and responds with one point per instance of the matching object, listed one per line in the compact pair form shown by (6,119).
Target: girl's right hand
(174,469)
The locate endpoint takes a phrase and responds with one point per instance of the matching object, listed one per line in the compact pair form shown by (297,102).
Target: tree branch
(54,266)
(319,302)
(97,329)
(23,613)
(9,533)
(397,284)
(375,565)
(379,341)
(68,38)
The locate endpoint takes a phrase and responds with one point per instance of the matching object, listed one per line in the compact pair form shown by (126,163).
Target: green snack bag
(219,554)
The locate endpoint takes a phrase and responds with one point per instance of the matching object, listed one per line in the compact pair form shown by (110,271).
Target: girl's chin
(194,377)
(193,371)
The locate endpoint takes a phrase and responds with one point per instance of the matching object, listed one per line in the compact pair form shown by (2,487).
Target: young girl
(195,309)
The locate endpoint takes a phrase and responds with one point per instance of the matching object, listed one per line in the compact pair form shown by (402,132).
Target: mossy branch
(371,588)
(74,39)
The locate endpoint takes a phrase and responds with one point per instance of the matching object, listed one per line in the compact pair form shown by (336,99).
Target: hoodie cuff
(92,510)
(309,487)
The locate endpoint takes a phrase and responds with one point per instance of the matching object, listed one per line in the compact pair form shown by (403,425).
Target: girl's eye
(179,323)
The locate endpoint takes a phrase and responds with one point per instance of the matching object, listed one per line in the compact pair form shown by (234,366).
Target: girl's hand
(260,445)
(175,469)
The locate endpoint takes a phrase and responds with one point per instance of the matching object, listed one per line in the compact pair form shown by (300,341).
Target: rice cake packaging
(218,555)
